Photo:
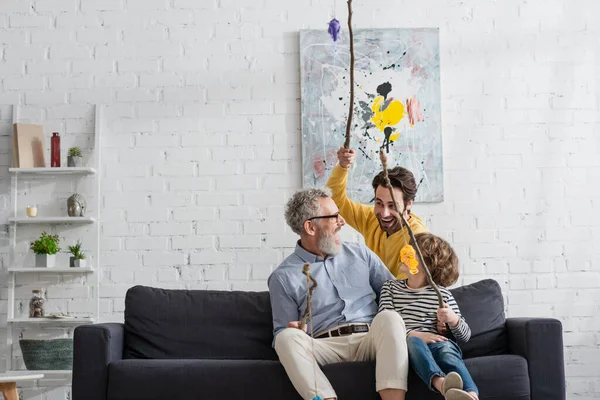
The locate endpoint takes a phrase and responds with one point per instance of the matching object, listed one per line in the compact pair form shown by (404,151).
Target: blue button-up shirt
(348,286)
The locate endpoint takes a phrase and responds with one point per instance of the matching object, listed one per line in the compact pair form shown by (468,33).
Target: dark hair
(440,258)
(400,178)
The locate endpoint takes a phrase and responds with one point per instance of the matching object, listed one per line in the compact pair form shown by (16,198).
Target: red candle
(55,150)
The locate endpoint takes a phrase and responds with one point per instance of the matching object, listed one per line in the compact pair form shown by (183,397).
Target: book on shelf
(28,146)
(15,150)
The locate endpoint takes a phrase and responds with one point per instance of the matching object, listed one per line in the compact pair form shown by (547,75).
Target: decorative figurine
(76,205)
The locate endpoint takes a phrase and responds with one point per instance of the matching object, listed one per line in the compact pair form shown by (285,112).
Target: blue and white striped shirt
(418,308)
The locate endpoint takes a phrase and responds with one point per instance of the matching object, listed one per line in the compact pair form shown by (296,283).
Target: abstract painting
(396,105)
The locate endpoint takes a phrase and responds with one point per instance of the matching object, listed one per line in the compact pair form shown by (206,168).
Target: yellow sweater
(362,218)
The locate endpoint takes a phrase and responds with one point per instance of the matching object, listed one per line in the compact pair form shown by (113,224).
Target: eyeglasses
(336,216)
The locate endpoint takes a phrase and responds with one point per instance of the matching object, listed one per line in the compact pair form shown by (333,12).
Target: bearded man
(380,225)
(344,306)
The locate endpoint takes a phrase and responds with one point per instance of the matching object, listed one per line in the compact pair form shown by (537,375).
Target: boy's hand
(428,337)
(447,316)
(441,328)
(346,157)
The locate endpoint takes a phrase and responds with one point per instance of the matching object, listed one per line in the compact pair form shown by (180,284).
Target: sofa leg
(9,390)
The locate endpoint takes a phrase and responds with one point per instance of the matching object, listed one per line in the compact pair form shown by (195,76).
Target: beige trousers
(385,342)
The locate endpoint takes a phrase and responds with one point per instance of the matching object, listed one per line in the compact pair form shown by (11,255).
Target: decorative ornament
(76,205)
(408,258)
(334,29)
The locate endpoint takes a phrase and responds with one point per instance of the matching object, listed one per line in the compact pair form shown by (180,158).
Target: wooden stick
(383,158)
(311,289)
(351,107)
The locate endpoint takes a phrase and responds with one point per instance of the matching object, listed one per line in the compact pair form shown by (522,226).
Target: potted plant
(74,158)
(45,249)
(77,260)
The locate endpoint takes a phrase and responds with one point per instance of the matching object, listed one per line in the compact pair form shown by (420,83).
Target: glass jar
(31,210)
(36,304)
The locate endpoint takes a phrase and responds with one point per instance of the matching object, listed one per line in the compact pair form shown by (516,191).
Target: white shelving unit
(16,323)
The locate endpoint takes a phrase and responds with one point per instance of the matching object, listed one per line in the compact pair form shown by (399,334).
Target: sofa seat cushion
(502,377)
(197,324)
(137,379)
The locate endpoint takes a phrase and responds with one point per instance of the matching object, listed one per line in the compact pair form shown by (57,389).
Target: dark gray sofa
(193,344)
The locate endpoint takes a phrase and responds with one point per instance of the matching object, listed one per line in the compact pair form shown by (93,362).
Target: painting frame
(397,105)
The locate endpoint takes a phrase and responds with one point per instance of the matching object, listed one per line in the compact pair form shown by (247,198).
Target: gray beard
(328,245)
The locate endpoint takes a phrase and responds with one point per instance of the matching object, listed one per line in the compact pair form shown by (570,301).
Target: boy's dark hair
(440,258)
(400,178)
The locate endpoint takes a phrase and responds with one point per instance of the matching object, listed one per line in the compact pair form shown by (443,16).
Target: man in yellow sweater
(381,226)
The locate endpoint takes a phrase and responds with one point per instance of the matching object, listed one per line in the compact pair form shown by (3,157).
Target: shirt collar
(306,255)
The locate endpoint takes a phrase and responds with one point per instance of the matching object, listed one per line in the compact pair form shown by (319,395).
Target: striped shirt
(418,308)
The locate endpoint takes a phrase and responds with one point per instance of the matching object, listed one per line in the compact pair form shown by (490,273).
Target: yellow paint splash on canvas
(393,113)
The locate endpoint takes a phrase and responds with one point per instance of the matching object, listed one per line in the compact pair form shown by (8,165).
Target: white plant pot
(45,260)
(80,263)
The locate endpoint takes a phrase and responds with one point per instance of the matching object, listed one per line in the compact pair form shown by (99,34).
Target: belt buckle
(347,330)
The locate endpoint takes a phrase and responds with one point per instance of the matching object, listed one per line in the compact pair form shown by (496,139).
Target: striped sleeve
(386,299)
(462,331)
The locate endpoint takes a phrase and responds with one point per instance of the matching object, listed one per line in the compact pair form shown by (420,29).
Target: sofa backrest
(208,324)
(197,324)
(482,305)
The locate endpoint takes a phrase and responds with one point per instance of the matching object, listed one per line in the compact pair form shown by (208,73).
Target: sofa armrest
(540,341)
(94,348)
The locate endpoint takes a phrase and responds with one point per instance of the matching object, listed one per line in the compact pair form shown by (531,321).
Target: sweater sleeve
(462,331)
(356,214)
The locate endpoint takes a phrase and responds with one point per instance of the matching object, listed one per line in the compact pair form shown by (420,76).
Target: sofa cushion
(482,305)
(502,377)
(197,324)
(228,379)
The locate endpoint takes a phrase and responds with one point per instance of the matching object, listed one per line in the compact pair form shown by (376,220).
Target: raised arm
(356,214)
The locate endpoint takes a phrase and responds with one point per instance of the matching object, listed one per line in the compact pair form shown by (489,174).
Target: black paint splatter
(386,142)
(384,89)
(364,154)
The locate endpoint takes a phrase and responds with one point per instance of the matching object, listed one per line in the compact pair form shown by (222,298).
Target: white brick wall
(204,96)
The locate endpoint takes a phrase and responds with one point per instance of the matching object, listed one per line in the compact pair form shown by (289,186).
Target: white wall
(203,145)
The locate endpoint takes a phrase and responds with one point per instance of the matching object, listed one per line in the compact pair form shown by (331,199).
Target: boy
(436,359)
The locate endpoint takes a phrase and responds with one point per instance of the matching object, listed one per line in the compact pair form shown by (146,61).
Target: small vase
(45,260)
(74,161)
(80,263)
(55,150)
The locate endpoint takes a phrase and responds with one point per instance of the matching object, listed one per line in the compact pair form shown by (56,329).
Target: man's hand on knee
(295,324)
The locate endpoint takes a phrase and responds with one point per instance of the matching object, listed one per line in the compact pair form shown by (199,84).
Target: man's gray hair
(303,205)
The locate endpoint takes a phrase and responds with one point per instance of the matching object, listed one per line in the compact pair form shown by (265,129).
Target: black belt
(344,331)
